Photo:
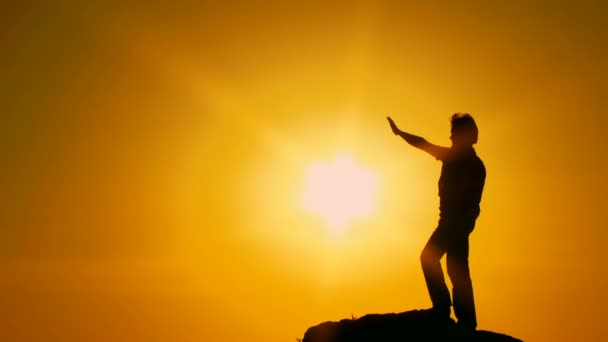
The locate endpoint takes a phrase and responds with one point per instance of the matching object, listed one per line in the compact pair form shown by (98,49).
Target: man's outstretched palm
(393,125)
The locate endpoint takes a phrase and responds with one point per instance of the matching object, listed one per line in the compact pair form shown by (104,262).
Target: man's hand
(394,127)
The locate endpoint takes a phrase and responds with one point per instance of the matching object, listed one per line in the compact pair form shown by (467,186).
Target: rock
(409,326)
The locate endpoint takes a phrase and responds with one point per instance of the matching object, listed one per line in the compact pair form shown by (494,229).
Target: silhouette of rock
(410,326)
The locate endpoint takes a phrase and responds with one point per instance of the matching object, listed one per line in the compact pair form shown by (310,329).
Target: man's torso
(461,184)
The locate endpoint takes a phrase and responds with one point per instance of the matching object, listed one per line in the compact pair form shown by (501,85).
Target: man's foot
(466,328)
(439,312)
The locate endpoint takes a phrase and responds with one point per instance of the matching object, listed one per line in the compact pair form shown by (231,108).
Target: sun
(339,191)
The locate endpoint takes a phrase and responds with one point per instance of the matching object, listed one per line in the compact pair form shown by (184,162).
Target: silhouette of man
(460,187)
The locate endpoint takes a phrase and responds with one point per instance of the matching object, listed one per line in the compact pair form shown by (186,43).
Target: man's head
(464,130)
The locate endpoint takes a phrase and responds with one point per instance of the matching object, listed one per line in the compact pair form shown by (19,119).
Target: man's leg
(433,273)
(458,270)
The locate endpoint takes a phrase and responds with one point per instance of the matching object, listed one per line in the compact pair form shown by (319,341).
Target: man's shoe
(466,328)
(439,312)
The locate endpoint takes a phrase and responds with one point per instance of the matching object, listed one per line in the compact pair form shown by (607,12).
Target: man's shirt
(461,182)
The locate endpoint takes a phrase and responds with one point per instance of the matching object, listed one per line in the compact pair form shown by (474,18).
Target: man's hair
(463,125)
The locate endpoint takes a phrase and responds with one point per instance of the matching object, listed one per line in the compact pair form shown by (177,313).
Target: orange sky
(154,158)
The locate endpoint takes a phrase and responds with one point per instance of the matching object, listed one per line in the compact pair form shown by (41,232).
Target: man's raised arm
(419,142)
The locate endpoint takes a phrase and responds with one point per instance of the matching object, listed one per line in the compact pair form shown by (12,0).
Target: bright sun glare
(339,191)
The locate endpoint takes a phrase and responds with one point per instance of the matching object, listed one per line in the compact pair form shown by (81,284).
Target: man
(460,187)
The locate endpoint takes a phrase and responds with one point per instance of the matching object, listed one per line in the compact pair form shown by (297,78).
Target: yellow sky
(154,159)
